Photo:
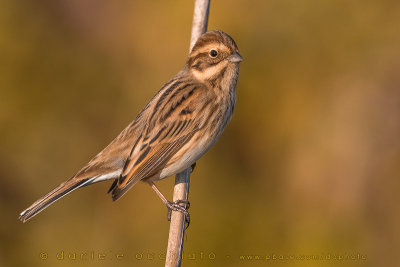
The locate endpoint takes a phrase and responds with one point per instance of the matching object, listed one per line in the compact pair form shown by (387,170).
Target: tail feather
(60,191)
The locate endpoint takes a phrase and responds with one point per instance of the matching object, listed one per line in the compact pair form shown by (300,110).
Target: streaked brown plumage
(179,124)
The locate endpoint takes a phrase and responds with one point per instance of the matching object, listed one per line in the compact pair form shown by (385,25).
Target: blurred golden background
(308,167)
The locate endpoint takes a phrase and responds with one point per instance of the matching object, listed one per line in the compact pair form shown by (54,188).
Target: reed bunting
(179,124)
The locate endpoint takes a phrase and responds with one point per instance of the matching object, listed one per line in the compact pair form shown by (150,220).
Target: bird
(179,124)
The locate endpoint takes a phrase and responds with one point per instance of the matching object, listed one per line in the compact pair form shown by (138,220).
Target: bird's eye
(213,53)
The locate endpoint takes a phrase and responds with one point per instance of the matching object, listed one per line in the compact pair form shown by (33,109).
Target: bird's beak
(235,57)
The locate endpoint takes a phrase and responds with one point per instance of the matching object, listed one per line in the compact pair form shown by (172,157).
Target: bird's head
(213,54)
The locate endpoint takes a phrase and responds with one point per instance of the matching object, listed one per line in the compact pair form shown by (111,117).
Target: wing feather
(172,125)
(153,163)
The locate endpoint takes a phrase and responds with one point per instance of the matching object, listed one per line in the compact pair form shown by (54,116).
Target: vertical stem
(177,226)
(182,180)
(200,20)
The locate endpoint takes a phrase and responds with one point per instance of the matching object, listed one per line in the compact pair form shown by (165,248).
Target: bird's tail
(45,201)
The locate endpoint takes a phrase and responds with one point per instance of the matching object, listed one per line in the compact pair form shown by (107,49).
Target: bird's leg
(173,205)
(192,167)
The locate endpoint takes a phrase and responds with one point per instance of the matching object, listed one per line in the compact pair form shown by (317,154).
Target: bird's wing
(172,122)
(151,154)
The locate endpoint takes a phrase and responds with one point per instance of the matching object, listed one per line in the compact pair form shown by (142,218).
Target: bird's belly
(185,157)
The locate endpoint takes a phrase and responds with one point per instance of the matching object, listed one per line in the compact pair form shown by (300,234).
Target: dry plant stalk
(182,180)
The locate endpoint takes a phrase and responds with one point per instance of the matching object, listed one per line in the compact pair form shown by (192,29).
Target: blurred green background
(308,167)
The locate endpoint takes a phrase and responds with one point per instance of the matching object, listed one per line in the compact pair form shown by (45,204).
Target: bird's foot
(176,206)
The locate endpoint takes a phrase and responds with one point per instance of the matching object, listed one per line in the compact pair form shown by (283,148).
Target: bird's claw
(176,206)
